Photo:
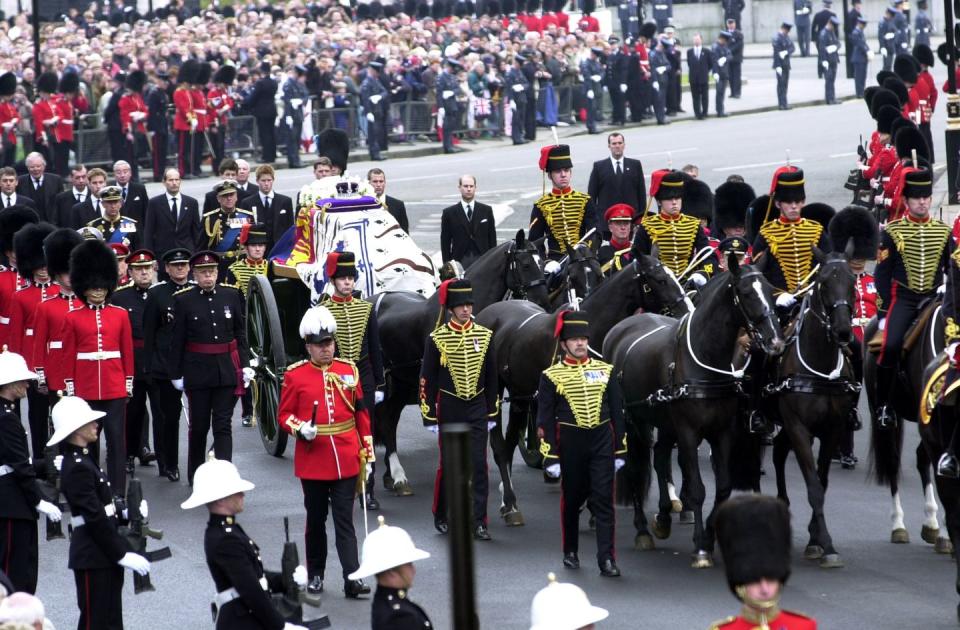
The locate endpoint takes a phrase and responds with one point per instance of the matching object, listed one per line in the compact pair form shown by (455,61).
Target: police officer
(207,349)
(615,253)
(922,24)
(721,56)
(887,34)
(357,335)
(98,553)
(323,397)
(458,383)
(563,215)
(782,49)
(802,9)
(376,102)
(20,496)
(662,13)
(660,80)
(615,80)
(222,227)
(448,105)
(828,54)
(114,227)
(166,401)
(580,424)
(158,128)
(592,71)
(735,64)
(233,558)
(860,55)
(515,86)
(563,605)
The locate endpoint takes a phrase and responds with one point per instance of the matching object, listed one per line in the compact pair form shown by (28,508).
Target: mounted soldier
(563,215)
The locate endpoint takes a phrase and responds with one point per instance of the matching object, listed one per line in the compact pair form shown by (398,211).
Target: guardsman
(372,95)
(158,319)
(133,298)
(907,139)
(730,202)
(28,244)
(563,605)
(185,120)
(563,215)
(592,71)
(928,101)
(198,93)
(448,105)
(754,536)
(98,351)
(208,357)
(615,253)
(243,586)
(295,96)
(20,496)
(721,55)
(515,86)
(322,397)
(782,49)
(222,227)
(121,252)
(357,336)
(802,9)
(388,554)
(115,228)
(11,220)
(63,136)
(219,104)
(9,117)
(828,53)
(914,254)
(922,25)
(45,116)
(679,237)
(883,156)
(98,553)
(158,127)
(133,116)
(860,55)
(887,34)
(580,424)
(458,383)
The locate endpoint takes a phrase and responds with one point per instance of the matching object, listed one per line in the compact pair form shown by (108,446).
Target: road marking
(841,155)
(418,177)
(739,167)
(512,168)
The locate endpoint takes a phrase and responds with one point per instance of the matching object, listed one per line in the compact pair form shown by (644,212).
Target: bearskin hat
(899,123)
(492,8)
(886,117)
(883,97)
(923,54)
(204,74)
(909,139)
(47,83)
(756,212)
(730,202)
(363,12)
(226,75)
(335,145)
(136,80)
(460,9)
(28,245)
(943,53)
(648,30)
(895,85)
(437,11)
(188,72)
(589,6)
(868,94)
(883,75)
(755,539)
(819,212)
(859,224)
(905,68)
(8,84)
(697,199)
(11,220)
(390,10)
(56,249)
(423,10)
(93,265)
(410,7)
(69,83)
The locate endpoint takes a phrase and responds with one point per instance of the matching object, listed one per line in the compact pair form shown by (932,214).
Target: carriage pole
(456,479)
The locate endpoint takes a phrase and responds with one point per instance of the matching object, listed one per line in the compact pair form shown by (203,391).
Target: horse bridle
(584,262)
(769,315)
(828,310)
(642,276)
(516,285)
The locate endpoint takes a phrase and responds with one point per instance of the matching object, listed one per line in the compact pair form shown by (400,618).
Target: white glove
(661,69)
(722,61)
(490,425)
(297,102)
(300,576)
(618,463)
(68,384)
(513,106)
(129,384)
(137,116)
(553,470)
(58,462)
(786,300)
(589,93)
(870,54)
(289,121)
(135,562)
(716,76)
(447,94)
(193,124)
(882,324)
(941,289)
(49,510)
(832,48)
(888,35)
(825,64)
(7,125)
(440,112)
(144,509)
(434,428)
(779,70)
(552,267)
(783,54)
(368,470)
(951,351)
(248,375)
(883,51)
(698,279)
(371,118)
(293,626)
(177,384)
(517,88)
(378,397)
(595,78)
(308,431)
(623,88)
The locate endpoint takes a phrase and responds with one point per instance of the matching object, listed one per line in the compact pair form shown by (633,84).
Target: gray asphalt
(882,586)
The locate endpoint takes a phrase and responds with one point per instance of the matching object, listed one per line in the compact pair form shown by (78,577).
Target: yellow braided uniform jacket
(678,239)
(563,217)
(240,272)
(790,246)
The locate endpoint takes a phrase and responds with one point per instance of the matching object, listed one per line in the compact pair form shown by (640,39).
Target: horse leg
(662,449)
(930,531)
(722,445)
(503,448)
(694,491)
(781,449)
(803,449)
(394,476)
(632,487)
(898,531)
(828,446)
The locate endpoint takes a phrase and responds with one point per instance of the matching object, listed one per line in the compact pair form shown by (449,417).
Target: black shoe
(847,462)
(853,421)
(247,421)
(131,466)
(372,503)
(570,560)
(441,524)
(315,587)
(480,532)
(146,456)
(174,475)
(608,568)
(948,466)
(353,589)
(886,417)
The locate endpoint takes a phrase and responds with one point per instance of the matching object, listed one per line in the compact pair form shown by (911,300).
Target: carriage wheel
(266,346)
(528,441)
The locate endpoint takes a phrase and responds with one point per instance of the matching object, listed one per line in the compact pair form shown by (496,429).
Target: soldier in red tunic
(98,352)
(11,220)
(322,405)
(185,121)
(133,117)
(199,96)
(754,536)
(9,117)
(219,104)
(45,116)
(63,130)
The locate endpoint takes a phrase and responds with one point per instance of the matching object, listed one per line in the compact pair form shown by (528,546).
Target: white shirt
(79,195)
(263,199)
(614,162)
(696,51)
(170,200)
(464,204)
(9,200)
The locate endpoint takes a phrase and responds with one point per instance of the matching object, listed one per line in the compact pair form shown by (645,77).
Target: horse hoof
(643,542)
(899,536)
(403,489)
(388,482)
(701,560)
(676,506)
(813,552)
(943,545)
(661,527)
(513,518)
(686,517)
(831,561)
(929,535)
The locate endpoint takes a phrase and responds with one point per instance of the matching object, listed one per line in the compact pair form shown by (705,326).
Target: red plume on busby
(442,291)
(244,233)
(777,173)
(558,327)
(330,266)
(544,156)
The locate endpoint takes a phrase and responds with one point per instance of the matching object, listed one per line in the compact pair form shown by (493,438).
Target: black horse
(525,346)
(675,375)
(580,273)
(814,391)
(405,318)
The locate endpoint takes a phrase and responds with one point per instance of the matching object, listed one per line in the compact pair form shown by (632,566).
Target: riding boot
(947,465)
(372,503)
(886,414)
(853,420)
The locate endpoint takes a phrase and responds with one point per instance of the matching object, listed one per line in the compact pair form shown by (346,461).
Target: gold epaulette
(207,214)
(346,362)
(185,289)
(300,363)
(124,286)
(243,211)
(716,625)
(229,285)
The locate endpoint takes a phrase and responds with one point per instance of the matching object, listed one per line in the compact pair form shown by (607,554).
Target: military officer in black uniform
(783,48)
(158,126)
(580,424)
(221,228)
(448,89)
(114,227)
(458,383)
(166,402)
(98,553)
(721,57)
(515,86)
(592,71)
(563,215)
(828,46)
(615,80)
(735,44)
(207,351)
(20,497)
(376,101)
(243,587)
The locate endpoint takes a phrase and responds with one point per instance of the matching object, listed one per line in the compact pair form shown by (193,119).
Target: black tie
(174,209)
(619,172)
(469,212)
(266,204)
(98,207)
(124,195)
(78,197)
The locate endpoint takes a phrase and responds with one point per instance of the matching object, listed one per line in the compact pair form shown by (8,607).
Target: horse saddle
(914,333)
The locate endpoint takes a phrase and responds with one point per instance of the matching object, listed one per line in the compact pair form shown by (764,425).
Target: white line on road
(842,155)
(740,167)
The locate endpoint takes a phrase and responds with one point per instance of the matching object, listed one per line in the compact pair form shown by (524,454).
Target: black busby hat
(340,265)
(883,97)
(226,75)
(859,224)
(188,72)
(883,75)
(943,53)
(254,234)
(917,182)
(910,139)
(819,212)
(455,292)
(900,123)
(438,11)
(589,6)
(69,83)
(136,80)
(730,202)
(363,12)
(335,145)
(895,85)
(509,7)
(648,30)
(905,68)
(924,54)
(868,93)
(204,73)
(555,157)
(492,8)
(423,10)
(571,324)
(788,184)
(56,249)
(759,212)
(93,265)
(697,198)
(28,245)
(887,115)
(410,7)
(47,83)
(8,84)
(755,538)
(11,220)
(667,184)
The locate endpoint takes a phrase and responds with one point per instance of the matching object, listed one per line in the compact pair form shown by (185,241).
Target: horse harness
(517,287)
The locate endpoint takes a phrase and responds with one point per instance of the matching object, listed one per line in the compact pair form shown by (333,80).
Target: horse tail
(633,480)
(746,457)
(886,451)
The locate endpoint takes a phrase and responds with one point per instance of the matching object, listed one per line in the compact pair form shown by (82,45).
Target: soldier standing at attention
(220,103)
(222,227)
(887,34)
(802,10)
(820,21)
(922,24)
(133,116)
(721,56)
(592,71)
(458,383)
(158,127)
(580,424)
(563,215)
(736,59)
(372,93)
(782,49)
(448,107)
(860,55)
(660,80)
(11,220)
(662,13)
(829,56)
(515,85)
(185,120)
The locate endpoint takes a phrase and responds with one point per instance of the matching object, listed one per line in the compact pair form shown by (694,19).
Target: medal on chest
(226,312)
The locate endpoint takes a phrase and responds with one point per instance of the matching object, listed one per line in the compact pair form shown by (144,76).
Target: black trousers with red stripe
(586,468)
(159,155)
(114,425)
(209,406)
(137,417)
(480,481)
(38,413)
(18,552)
(319,498)
(186,149)
(166,404)
(904,308)
(100,598)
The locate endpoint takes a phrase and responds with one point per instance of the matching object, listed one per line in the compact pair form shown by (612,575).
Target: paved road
(883,586)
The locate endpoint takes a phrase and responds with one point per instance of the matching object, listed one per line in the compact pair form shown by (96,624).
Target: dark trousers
(903,309)
(859,78)
(660,100)
(100,598)
(830,83)
(246,403)
(736,78)
(212,406)
(38,412)
(196,155)
(268,140)
(113,424)
(925,130)
(635,99)
(888,58)
(530,117)
(18,552)
(721,95)
(592,107)
(218,142)
(586,468)
(618,105)
(9,153)
(480,479)
(159,156)
(783,82)
(803,39)
(700,92)
(374,134)
(516,124)
(130,150)
(117,144)
(296,129)
(319,498)
(137,417)
(61,158)
(451,122)
(185,142)
(169,406)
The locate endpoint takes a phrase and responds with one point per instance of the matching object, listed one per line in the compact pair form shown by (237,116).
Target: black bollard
(455,440)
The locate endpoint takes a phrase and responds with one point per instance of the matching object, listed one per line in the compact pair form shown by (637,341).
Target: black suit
(278,218)
(463,241)
(51,186)
(19,200)
(606,188)
(261,105)
(81,214)
(699,74)
(135,205)
(161,234)
(399,211)
(63,204)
